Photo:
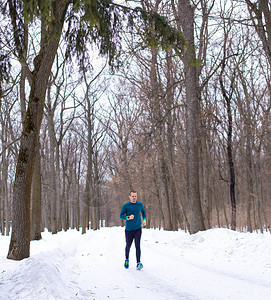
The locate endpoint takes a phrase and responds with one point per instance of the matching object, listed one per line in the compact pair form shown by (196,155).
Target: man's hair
(133,191)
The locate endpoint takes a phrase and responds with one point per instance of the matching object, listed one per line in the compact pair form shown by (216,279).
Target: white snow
(215,264)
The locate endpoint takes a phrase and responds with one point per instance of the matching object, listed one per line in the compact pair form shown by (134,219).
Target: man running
(131,212)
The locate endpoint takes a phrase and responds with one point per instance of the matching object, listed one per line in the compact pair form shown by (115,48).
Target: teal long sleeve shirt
(136,209)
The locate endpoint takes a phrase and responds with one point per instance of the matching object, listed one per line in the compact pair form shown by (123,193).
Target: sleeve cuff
(127,218)
(144,220)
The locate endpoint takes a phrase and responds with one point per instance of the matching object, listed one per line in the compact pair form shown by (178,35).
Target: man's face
(133,197)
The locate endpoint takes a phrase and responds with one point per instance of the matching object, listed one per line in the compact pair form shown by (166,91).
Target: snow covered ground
(215,264)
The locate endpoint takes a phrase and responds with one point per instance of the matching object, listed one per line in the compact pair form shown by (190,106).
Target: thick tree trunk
(195,215)
(20,238)
(21,228)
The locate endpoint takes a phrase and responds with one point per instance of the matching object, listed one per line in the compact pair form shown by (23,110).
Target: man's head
(133,196)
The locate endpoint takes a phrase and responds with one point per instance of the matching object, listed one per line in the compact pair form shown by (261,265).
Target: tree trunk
(169,151)
(205,178)
(164,189)
(195,216)
(158,196)
(58,190)
(36,198)
(64,204)
(97,192)
(249,172)
(229,150)
(21,228)
(4,171)
(158,122)
(52,171)
(258,189)
(88,188)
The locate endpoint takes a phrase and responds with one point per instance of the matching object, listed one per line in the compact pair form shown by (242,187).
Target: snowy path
(168,275)
(216,264)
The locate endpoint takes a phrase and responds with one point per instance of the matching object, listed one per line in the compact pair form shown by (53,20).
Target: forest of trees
(93,106)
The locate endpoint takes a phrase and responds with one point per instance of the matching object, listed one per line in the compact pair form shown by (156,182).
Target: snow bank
(214,264)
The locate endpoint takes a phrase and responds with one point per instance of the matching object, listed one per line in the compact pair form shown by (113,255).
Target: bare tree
(20,239)
(184,15)
(260,13)
(92,201)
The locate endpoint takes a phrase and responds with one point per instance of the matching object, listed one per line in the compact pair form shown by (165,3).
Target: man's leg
(137,244)
(129,235)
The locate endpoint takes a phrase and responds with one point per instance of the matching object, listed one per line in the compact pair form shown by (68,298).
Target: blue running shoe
(139,266)
(126,263)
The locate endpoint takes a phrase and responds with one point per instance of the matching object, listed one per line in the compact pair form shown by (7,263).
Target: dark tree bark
(4,179)
(21,227)
(52,170)
(195,216)
(20,238)
(260,13)
(36,197)
(227,97)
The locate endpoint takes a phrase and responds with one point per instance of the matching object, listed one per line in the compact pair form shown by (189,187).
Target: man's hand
(144,224)
(131,217)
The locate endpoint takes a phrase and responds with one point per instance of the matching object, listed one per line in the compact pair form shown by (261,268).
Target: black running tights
(130,236)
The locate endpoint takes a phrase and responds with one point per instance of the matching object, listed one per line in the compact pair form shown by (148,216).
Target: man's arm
(123,213)
(143,216)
